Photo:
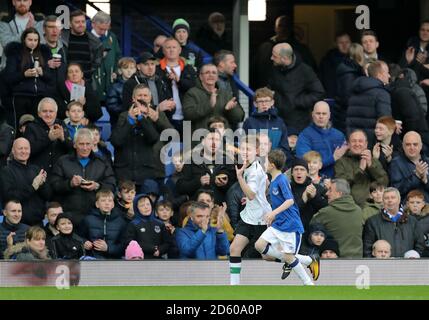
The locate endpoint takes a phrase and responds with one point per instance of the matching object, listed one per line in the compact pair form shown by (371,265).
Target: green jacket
(197,108)
(348,168)
(370,209)
(103,75)
(342,219)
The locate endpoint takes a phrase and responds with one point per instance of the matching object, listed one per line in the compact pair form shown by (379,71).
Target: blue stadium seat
(104,124)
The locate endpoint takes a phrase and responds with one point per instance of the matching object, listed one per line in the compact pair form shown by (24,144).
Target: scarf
(397,216)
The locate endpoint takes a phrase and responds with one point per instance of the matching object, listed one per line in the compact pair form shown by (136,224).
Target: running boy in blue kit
(282,239)
(253,181)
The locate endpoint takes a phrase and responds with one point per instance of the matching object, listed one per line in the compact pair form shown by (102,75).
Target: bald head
(321,114)
(21,150)
(412,145)
(282,54)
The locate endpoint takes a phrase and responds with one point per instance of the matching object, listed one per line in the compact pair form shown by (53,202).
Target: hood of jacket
(138,216)
(344,204)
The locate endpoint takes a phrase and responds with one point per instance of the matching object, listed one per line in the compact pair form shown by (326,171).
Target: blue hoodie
(193,243)
(271,121)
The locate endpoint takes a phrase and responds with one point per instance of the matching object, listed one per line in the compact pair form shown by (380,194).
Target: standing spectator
(66,245)
(199,240)
(76,177)
(369,101)
(266,118)
(370,44)
(393,225)
(308,196)
(206,99)
(27,72)
(58,58)
(388,144)
(212,36)
(332,59)
(75,76)
(12,230)
(180,77)
(321,137)
(158,42)
(164,212)
(359,168)
(99,146)
(208,168)
(105,74)
(381,249)
(417,207)
(126,69)
(104,228)
(124,199)
(75,120)
(284,33)
(342,219)
(26,183)
(46,136)
(409,171)
(146,74)
(181,30)
(82,46)
(374,202)
(149,232)
(296,85)
(53,209)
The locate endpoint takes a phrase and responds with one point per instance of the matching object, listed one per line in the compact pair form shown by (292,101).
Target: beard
(22,10)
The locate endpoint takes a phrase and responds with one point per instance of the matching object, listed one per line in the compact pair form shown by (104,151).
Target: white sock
(300,271)
(234,271)
(305,260)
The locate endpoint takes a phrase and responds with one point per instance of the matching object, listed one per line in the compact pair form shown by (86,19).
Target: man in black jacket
(296,87)
(26,183)
(46,136)
(394,225)
(77,177)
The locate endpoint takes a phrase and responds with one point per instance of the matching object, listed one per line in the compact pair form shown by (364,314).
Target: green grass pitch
(219,293)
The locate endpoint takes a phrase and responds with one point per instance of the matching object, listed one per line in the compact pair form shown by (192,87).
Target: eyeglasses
(264,101)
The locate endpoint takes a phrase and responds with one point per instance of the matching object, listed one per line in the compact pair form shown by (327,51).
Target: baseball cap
(144,57)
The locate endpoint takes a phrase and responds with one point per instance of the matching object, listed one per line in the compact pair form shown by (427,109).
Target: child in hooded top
(149,232)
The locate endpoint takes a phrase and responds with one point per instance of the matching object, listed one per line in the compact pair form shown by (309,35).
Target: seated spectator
(342,219)
(321,137)
(409,170)
(77,177)
(388,145)
(89,100)
(312,240)
(212,36)
(369,101)
(206,100)
(66,245)
(375,201)
(208,168)
(53,209)
(347,72)
(359,168)
(314,162)
(26,183)
(136,137)
(104,228)
(417,207)
(99,147)
(292,139)
(34,247)
(125,197)
(266,118)
(308,196)
(12,230)
(192,56)
(395,226)
(134,251)
(329,249)
(199,240)
(149,232)
(164,212)
(381,249)
(46,136)
(27,72)
(127,67)
(75,120)
(24,121)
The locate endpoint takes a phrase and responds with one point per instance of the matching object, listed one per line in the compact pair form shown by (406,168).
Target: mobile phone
(85,182)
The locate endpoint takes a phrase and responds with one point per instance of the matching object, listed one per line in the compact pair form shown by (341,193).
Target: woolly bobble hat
(180,24)
(133,251)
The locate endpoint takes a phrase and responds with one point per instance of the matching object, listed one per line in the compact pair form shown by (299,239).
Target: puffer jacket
(6,229)
(423,221)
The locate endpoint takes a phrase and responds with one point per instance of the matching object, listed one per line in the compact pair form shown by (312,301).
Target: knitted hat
(63,215)
(134,251)
(26,118)
(330,244)
(299,162)
(411,254)
(180,24)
